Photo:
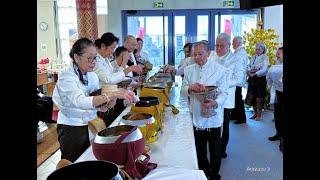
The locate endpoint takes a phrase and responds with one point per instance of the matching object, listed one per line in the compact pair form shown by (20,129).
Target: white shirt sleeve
(133,58)
(237,73)
(223,88)
(106,75)
(69,92)
(185,84)
(268,77)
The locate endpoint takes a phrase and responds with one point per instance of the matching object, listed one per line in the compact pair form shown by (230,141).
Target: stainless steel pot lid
(110,135)
(137,119)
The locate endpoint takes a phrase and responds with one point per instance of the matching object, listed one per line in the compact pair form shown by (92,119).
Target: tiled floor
(48,166)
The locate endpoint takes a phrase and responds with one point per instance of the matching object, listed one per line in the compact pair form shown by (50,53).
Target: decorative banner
(227,26)
(87,19)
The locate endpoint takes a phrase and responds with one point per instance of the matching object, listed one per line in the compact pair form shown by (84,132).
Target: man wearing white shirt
(274,78)
(131,43)
(226,58)
(206,130)
(240,53)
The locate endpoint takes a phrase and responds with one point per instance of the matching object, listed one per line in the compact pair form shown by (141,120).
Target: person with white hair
(203,73)
(226,58)
(238,113)
(257,82)
(130,42)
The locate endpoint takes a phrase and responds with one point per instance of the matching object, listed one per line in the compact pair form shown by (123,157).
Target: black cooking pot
(87,170)
(146,101)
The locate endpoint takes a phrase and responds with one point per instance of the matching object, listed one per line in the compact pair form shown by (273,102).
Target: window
(68,27)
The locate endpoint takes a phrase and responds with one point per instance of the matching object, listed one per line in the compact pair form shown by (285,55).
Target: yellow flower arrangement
(268,37)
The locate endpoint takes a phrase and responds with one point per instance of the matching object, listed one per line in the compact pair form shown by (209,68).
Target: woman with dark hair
(122,57)
(76,107)
(105,71)
(257,82)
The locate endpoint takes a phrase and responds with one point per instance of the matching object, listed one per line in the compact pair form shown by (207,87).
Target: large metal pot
(146,123)
(210,92)
(110,135)
(88,170)
(113,144)
(150,105)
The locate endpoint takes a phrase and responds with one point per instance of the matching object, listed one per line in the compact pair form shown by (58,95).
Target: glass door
(166,32)
(237,24)
(189,27)
(180,37)
(153,30)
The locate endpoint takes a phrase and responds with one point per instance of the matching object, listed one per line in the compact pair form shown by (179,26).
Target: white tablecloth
(174,152)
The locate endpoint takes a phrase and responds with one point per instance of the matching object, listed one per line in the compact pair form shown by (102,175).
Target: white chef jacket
(242,59)
(106,73)
(234,75)
(117,68)
(274,77)
(259,63)
(212,53)
(209,74)
(133,59)
(73,100)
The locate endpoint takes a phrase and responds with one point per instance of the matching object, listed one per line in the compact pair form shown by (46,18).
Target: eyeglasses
(90,59)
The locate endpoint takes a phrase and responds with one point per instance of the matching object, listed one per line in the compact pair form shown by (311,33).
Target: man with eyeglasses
(226,58)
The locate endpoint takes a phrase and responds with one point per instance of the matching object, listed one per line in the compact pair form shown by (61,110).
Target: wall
(102,24)
(45,13)
(116,6)
(273,19)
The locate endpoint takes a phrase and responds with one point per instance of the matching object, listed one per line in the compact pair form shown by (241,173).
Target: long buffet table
(174,151)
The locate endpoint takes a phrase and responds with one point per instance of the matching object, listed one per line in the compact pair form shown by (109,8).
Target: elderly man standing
(226,58)
(240,53)
(203,73)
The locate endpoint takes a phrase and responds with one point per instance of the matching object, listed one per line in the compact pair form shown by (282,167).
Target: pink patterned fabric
(87,19)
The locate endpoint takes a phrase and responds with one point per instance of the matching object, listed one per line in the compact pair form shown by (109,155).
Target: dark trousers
(44,109)
(202,137)
(225,129)
(238,112)
(278,112)
(74,140)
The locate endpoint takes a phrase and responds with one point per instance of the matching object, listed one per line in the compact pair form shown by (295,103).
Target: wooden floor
(49,144)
